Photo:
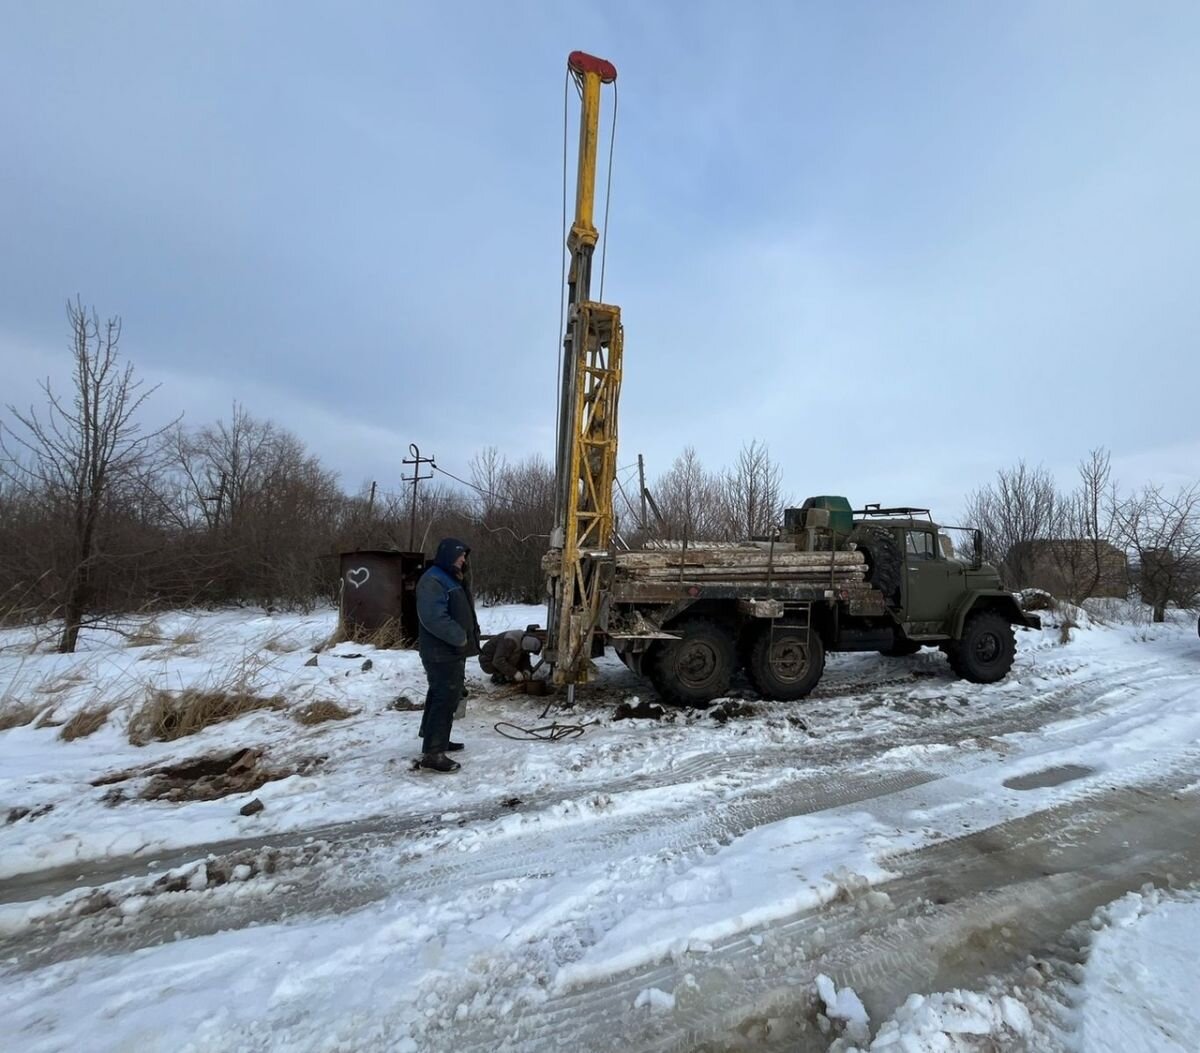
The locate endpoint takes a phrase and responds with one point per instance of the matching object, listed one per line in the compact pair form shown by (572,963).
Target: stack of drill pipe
(743,564)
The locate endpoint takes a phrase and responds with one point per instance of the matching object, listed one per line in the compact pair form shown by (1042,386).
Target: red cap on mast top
(581,62)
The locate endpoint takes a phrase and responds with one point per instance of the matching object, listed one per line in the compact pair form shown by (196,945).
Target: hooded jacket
(509,653)
(449,629)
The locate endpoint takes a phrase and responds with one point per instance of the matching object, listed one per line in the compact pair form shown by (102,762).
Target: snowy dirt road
(672,884)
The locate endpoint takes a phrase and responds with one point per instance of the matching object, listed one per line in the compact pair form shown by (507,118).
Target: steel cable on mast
(612,138)
(562,280)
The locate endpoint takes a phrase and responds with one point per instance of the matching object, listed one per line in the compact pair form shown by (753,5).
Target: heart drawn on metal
(358,576)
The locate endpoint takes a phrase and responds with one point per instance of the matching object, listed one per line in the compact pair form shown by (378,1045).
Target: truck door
(932,583)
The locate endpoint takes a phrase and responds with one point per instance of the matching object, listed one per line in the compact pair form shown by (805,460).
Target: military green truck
(832,579)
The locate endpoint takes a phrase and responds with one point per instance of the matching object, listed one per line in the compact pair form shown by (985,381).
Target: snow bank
(954,1021)
(1141,981)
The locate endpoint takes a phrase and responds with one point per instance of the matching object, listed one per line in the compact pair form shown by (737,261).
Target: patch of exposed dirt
(17,814)
(642,711)
(730,709)
(204,778)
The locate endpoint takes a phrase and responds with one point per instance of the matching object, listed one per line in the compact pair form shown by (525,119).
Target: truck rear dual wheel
(698,666)
(786,662)
(985,651)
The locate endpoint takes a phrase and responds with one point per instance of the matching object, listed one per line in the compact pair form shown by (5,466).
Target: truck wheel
(697,667)
(786,662)
(985,651)
(884,561)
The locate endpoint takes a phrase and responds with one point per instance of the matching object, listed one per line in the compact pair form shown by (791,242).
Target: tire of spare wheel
(884,562)
(697,667)
(786,662)
(985,651)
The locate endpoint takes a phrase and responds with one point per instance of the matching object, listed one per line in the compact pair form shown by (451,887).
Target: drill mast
(579,565)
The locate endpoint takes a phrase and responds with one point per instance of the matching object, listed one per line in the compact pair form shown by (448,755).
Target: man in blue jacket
(448,636)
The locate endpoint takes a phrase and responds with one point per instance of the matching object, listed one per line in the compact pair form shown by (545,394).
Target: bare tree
(488,468)
(752,493)
(1163,532)
(689,498)
(77,453)
(1012,513)
(264,510)
(1082,534)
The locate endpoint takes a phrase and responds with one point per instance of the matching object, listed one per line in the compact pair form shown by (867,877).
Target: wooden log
(738,558)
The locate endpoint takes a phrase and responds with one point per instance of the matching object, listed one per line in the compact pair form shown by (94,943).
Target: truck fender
(1004,603)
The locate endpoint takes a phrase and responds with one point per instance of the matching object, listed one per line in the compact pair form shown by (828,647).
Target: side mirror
(978,550)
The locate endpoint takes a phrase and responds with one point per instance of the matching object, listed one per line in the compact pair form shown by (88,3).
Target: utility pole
(416,460)
(642,490)
(371,501)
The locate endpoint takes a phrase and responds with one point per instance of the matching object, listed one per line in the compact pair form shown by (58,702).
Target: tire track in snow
(963,910)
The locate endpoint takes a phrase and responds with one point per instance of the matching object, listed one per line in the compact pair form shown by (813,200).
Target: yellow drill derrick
(579,563)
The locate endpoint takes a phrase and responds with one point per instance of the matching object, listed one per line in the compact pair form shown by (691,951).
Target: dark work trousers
(441,700)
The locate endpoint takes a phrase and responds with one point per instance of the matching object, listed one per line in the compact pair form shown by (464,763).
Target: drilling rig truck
(689,616)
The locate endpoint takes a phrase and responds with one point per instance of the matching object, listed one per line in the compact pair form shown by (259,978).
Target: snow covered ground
(903,861)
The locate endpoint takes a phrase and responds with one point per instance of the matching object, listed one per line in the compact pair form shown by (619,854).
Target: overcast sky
(904,244)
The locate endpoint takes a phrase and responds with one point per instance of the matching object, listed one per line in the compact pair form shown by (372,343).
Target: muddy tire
(698,666)
(885,563)
(985,651)
(786,662)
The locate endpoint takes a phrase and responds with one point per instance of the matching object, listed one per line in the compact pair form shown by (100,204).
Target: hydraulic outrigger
(580,562)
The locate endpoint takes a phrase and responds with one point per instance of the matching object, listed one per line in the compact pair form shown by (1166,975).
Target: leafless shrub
(86,722)
(320,712)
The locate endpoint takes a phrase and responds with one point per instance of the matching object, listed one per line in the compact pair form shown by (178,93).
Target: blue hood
(448,550)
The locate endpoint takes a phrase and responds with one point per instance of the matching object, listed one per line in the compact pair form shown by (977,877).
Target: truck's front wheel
(985,651)
(698,666)
(786,662)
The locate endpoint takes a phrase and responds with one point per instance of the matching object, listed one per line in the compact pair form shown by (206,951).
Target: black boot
(438,762)
(455,746)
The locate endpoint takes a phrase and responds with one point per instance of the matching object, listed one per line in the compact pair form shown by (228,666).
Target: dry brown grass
(281,643)
(320,712)
(169,715)
(57,684)
(16,708)
(387,636)
(145,635)
(187,638)
(86,722)
(14,714)
(1064,630)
